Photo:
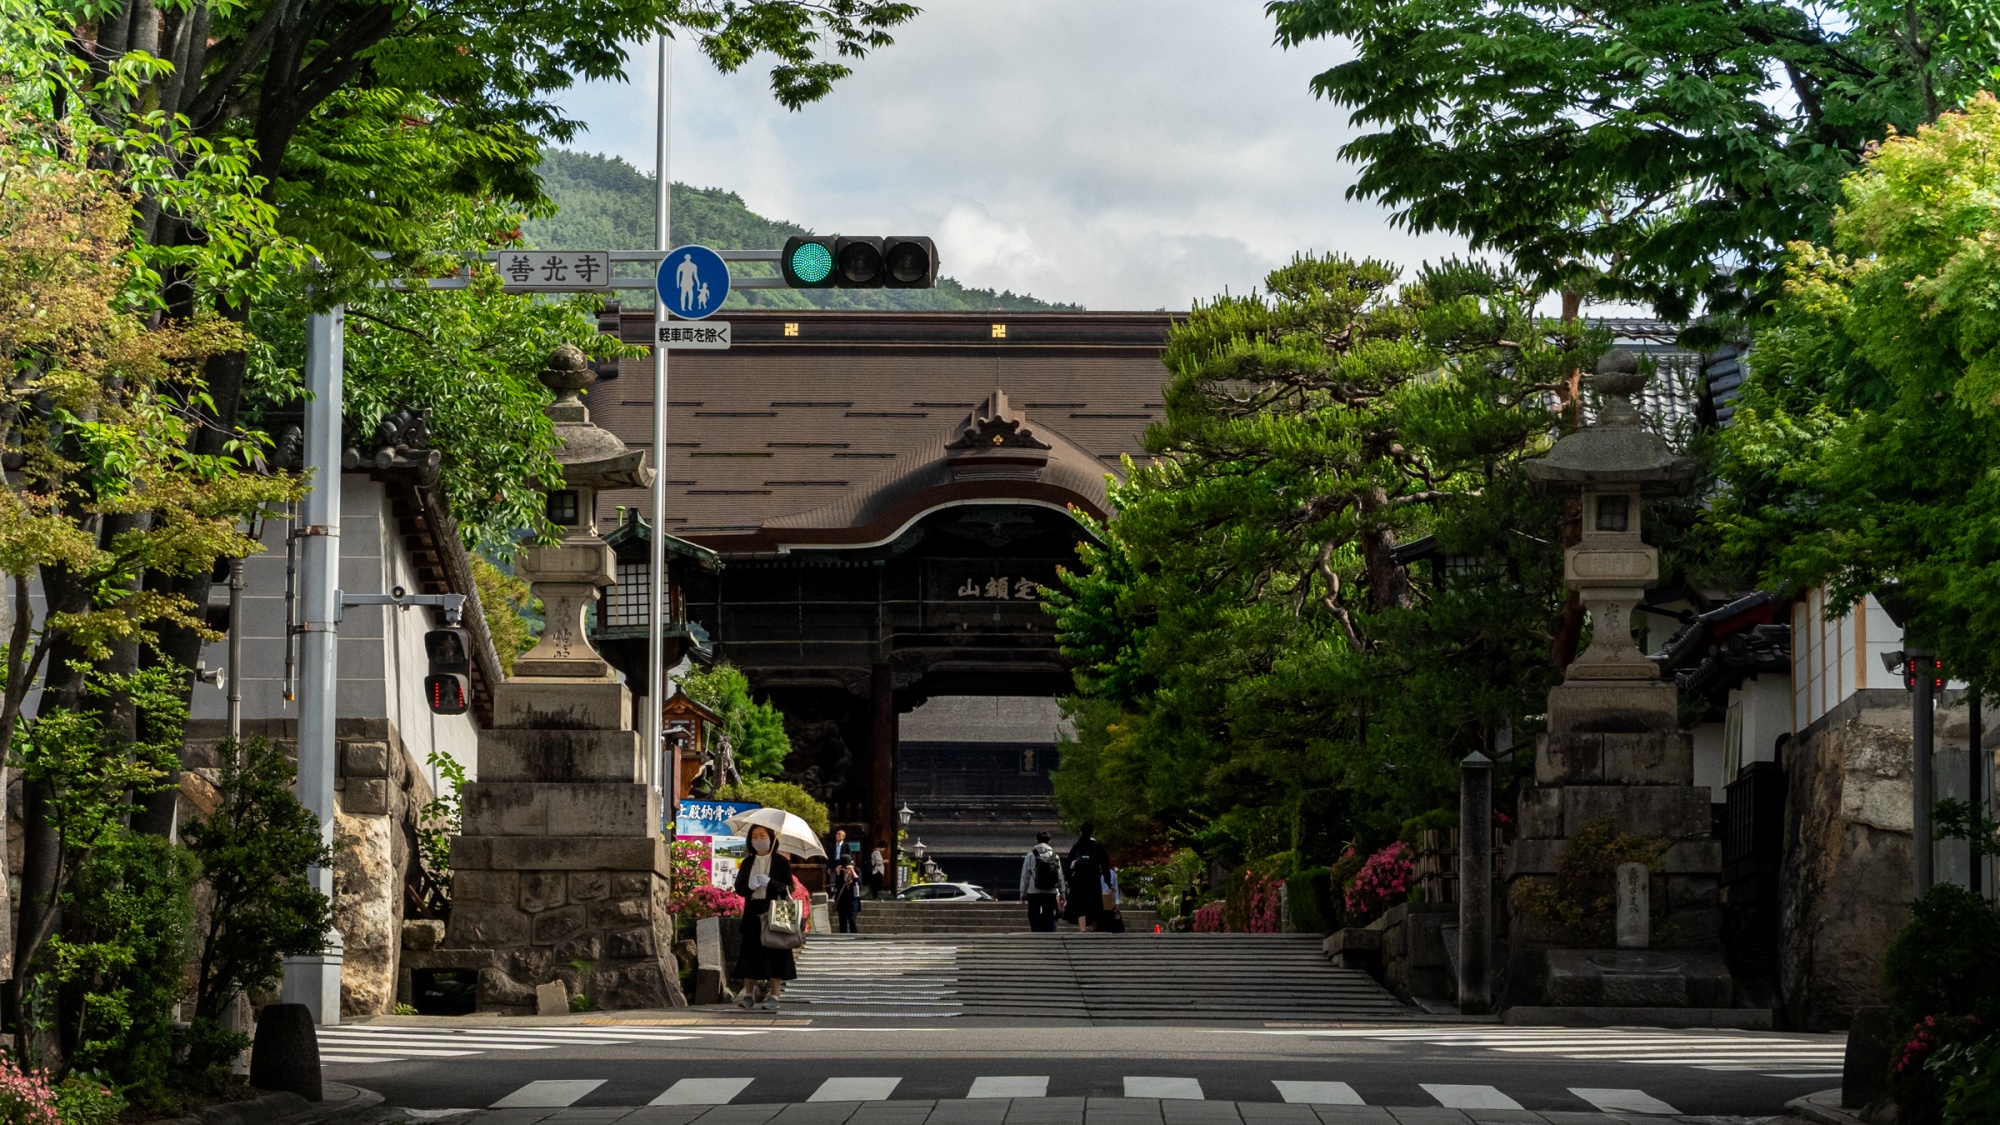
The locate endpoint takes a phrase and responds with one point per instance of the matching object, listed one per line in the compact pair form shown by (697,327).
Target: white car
(945,892)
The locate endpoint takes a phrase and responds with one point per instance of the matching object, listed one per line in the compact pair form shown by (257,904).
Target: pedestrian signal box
(859,262)
(448,687)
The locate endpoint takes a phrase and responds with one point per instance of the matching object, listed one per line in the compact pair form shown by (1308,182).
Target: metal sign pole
(657,542)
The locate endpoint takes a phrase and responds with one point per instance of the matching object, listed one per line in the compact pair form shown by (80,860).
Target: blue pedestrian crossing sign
(692,282)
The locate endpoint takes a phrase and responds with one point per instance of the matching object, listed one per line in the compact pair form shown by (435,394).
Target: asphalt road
(604,1064)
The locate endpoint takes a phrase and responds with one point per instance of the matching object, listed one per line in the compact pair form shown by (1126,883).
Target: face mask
(762,845)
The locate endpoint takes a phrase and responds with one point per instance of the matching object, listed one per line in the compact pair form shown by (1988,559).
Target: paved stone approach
(1053,1111)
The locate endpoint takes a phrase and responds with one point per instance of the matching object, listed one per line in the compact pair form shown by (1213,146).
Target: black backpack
(1046,875)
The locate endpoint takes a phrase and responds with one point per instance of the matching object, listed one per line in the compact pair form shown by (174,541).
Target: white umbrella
(795,836)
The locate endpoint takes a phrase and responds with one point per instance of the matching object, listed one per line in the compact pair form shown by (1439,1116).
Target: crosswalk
(561,1093)
(1774,1056)
(380,1043)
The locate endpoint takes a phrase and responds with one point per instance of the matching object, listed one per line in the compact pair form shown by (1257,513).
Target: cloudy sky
(1124,154)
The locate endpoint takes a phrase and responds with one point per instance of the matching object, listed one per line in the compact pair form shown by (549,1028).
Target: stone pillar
(1475,884)
(1923,781)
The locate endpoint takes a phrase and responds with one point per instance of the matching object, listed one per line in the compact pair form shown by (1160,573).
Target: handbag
(782,926)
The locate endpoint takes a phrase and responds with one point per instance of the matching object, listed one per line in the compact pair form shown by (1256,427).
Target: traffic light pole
(314,979)
(656,676)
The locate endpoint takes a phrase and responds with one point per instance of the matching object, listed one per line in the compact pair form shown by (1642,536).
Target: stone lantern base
(560,872)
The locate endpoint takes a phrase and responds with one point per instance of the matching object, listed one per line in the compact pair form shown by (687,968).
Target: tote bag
(783,928)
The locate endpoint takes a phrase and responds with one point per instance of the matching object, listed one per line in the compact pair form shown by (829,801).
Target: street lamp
(904,814)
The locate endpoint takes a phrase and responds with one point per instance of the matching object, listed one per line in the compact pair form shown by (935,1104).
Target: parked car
(945,892)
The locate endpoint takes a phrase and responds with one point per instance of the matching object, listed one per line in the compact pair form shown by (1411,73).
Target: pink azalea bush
(25,1097)
(709,902)
(1253,906)
(1208,918)
(1383,881)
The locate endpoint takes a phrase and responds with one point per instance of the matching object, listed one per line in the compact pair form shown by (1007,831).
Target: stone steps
(884,917)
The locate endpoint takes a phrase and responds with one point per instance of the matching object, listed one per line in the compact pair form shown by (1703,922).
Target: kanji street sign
(709,335)
(692,282)
(556,271)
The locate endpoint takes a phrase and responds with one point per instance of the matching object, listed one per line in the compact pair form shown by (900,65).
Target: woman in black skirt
(765,874)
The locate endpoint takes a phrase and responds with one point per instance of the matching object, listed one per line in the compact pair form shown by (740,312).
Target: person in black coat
(1088,863)
(765,874)
(847,895)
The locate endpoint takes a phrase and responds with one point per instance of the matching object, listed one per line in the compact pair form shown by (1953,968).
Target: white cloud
(1118,153)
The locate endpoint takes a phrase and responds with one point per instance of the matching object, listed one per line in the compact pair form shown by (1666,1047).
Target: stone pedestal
(560,871)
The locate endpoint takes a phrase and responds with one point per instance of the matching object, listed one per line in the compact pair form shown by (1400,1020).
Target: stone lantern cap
(1616,451)
(591,457)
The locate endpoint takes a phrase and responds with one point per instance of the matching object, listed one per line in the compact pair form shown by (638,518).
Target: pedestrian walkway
(385,1043)
(1083,976)
(1774,1056)
(555,1103)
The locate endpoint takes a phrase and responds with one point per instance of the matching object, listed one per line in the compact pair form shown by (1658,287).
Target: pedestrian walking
(1041,884)
(876,863)
(1089,863)
(765,876)
(834,851)
(847,895)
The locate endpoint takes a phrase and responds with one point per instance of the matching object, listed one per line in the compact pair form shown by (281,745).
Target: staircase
(885,916)
(1083,976)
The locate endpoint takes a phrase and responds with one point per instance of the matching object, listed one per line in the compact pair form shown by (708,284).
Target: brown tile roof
(812,418)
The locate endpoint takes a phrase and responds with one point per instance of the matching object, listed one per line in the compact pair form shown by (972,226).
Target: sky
(1121,154)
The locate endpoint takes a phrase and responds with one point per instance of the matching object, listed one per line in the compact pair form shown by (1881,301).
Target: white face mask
(762,844)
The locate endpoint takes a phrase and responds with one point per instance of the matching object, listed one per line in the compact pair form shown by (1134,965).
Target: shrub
(1943,963)
(1208,918)
(709,902)
(1583,899)
(83,1099)
(780,795)
(1918,1090)
(1251,906)
(1383,881)
(1968,1076)
(25,1097)
(1309,894)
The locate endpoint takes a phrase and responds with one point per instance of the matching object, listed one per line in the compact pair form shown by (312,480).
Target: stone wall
(1845,885)
(380,790)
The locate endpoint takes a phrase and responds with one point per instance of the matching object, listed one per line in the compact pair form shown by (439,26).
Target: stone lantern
(560,862)
(1614,751)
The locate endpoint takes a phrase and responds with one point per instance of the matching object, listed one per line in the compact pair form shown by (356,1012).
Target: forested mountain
(606,203)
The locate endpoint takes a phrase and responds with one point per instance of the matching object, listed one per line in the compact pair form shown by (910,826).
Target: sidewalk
(1046,1111)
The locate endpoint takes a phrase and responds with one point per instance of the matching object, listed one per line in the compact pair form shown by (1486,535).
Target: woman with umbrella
(765,876)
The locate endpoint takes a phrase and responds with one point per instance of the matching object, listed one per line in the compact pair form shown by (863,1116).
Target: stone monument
(560,872)
(1614,749)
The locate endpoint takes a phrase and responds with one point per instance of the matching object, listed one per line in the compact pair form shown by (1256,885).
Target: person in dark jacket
(1089,861)
(765,874)
(847,895)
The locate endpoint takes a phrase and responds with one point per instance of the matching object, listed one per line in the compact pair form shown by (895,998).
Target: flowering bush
(686,868)
(85,1100)
(1383,881)
(1252,906)
(709,902)
(1208,918)
(25,1097)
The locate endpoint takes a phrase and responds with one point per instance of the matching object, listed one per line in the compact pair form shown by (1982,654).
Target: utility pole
(314,979)
(669,766)
(1475,884)
(1923,785)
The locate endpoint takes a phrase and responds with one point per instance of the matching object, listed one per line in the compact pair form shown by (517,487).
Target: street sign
(692,282)
(708,336)
(555,271)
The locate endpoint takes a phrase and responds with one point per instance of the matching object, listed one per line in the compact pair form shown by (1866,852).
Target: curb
(286,1108)
(1824,1108)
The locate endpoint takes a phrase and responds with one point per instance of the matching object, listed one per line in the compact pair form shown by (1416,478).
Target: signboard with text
(555,271)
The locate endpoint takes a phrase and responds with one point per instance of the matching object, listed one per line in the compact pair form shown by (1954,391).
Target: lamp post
(1920,669)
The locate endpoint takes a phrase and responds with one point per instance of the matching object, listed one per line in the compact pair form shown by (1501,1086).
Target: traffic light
(859,262)
(448,688)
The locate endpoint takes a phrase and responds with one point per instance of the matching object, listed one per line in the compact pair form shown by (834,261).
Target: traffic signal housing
(448,687)
(859,262)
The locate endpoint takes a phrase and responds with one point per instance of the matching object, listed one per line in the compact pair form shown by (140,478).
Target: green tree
(1254,654)
(756,729)
(1663,151)
(1866,448)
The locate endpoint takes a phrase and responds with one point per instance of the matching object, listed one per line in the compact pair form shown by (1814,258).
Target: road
(601,1069)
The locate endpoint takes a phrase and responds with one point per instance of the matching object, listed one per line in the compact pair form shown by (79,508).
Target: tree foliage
(1662,151)
(1260,668)
(1866,446)
(756,730)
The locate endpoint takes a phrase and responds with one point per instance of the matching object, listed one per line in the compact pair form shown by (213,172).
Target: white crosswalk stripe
(1468,1097)
(702,1091)
(549,1093)
(356,1044)
(1775,1056)
(1623,1101)
(1010,1086)
(855,1090)
(1183,1089)
(1318,1093)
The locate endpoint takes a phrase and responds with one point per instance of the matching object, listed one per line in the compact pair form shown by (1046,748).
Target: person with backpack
(1041,883)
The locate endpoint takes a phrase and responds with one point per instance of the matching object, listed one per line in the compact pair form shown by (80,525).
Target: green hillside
(604,202)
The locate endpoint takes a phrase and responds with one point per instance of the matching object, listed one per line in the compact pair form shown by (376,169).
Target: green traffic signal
(859,262)
(808,263)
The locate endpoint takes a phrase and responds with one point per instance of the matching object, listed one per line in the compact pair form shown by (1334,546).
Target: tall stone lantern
(560,874)
(1614,753)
